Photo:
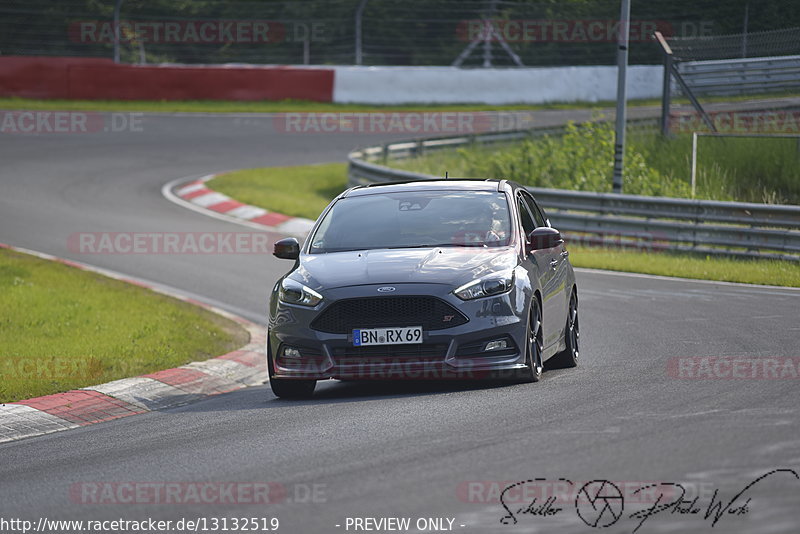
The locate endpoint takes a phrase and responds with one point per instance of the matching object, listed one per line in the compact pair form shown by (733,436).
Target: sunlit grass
(301,191)
(747,271)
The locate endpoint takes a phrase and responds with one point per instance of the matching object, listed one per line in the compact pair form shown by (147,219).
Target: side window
(537,213)
(528,224)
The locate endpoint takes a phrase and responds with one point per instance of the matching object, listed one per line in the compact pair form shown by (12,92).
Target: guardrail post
(385,153)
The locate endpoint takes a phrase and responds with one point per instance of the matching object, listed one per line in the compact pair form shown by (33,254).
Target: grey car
(444,279)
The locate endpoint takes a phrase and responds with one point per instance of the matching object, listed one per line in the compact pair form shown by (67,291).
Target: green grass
(225,106)
(301,191)
(756,271)
(62,328)
(304,191)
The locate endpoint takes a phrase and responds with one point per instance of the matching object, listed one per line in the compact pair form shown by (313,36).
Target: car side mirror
(287,249)
(544,237)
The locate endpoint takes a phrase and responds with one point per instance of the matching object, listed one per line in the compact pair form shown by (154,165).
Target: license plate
(387,336)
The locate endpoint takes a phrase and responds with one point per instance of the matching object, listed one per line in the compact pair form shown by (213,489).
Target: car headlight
(493,284)
(293,292)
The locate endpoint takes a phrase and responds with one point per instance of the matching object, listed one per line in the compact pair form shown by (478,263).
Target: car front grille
(395,352)
(431,313)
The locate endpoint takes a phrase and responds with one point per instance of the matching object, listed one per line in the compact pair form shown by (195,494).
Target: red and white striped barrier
(197,194)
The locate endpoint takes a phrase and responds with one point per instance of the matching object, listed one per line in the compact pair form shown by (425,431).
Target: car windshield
(415,220)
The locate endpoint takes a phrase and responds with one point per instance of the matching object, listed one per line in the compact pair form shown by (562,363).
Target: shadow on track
(338,392)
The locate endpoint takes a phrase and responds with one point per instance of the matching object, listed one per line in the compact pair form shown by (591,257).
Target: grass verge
(747,271)
(304,191)
(281,106)
(301,191)
(285,106)
(62,328)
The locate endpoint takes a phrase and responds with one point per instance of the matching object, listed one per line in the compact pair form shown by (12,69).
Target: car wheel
(533,345)
(292,389)
(569,356)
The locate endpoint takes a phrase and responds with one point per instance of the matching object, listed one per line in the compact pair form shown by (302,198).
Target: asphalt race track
(401,450)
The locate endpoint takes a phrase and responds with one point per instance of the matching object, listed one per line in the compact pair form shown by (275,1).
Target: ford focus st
(423,280)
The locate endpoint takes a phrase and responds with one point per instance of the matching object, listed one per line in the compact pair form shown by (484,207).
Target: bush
(743,169)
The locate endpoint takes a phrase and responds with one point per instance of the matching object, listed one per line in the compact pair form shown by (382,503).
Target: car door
(554,311)
(542,266)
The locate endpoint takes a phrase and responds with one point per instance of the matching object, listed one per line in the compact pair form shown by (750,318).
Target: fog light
(497,344)
(291,352)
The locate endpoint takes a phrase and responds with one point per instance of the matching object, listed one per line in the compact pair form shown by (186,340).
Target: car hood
(442,265)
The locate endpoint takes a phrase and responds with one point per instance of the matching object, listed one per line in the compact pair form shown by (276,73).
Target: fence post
(694,163)
(621,118)
(359,16)
(666,92)
(117,9)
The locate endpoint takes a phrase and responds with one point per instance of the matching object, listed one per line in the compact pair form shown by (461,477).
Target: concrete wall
(396,85)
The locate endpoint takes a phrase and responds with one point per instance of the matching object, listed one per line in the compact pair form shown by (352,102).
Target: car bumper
(451,353)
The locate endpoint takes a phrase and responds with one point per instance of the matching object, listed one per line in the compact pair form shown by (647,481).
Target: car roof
(459,184)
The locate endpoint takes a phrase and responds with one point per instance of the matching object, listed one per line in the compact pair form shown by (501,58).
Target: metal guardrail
(742,76)
(704,226)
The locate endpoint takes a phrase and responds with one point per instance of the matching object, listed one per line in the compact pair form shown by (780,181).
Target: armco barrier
(704,226)
(745,76)
(82,78)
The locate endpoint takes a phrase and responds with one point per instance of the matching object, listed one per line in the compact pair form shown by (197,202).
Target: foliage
(746,169)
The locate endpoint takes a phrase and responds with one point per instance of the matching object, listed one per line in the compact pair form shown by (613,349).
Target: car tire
(292,388)
(569,356)
(533,345)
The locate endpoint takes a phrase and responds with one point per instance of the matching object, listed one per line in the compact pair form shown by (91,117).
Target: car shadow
(337,392)
(347,391)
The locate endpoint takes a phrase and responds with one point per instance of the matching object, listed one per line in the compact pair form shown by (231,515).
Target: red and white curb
(195,195)
(132,396)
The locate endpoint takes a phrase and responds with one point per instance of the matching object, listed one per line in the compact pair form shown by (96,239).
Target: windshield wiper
(441,245)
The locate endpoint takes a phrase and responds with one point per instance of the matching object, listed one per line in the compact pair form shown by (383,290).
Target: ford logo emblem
(386,289)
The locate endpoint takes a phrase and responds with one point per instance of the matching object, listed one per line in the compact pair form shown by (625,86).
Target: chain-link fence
(471,33)
(772,43)
(739,64)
